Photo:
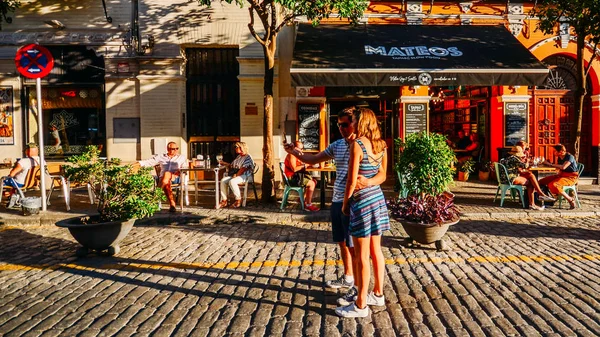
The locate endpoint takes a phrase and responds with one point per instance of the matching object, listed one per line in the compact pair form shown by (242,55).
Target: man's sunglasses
(343,125)
(173,148)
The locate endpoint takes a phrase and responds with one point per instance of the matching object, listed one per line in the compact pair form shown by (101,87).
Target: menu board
(415,118)
(515,122)
(309,117)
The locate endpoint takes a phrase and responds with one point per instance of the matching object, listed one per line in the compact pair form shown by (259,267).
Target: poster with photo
(7,123)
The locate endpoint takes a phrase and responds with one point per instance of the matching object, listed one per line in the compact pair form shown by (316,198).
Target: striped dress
(368,212)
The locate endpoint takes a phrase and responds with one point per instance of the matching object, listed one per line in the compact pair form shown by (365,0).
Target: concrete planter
(427,233)
(101,237)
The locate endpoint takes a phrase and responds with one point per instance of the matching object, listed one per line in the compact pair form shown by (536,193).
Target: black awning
(396,55)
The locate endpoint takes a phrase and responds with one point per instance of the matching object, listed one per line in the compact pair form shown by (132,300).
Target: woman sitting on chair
(567,176)
(295,171)
(238,173)
(516,165)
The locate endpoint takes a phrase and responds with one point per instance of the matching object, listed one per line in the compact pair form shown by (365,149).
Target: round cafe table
(322,171)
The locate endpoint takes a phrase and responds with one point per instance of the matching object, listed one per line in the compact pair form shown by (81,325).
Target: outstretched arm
(307,157)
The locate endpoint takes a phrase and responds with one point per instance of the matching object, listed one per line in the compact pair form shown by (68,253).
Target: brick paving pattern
(252,274)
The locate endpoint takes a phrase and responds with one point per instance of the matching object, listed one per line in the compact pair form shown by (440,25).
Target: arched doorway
(552,111)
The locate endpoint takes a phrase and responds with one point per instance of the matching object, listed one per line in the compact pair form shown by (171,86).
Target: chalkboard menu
(415,118)
(515,122)
(309,116)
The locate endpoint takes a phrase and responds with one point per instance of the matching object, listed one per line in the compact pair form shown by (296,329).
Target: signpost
(35,61)
(415,118)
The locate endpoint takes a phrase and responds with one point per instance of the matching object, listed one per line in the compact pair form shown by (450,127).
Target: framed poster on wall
(7,122)
(515,122)
(309,126)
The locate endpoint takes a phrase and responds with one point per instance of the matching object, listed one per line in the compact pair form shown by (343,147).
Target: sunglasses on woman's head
(343,125)
(173,148)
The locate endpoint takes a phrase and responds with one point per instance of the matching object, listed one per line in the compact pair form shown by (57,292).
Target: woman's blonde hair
(242,146)
(368,127)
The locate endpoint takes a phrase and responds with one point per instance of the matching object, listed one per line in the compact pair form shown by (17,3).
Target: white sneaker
(349,297)
(352,310)
(339,283)
(378,301)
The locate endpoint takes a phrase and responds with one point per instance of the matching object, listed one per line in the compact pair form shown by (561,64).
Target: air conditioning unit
(302,91)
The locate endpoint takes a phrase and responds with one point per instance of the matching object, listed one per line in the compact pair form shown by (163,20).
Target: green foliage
(467,166)
(313,10)
(425,160)
(7,6)
(582,15)
(122,194)
(486,166)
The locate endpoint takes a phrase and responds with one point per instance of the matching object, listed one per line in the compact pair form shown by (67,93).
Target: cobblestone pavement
(261,274)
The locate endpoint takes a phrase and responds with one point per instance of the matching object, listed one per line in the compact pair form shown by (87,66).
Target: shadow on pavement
(54,253)
(524,230)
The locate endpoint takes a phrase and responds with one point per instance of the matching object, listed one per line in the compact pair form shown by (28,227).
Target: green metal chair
(501,171)
(288,187)
(572,188)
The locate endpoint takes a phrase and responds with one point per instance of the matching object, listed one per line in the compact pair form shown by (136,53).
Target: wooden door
(551,121)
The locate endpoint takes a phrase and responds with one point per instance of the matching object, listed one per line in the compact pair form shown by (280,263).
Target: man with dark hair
(340,152)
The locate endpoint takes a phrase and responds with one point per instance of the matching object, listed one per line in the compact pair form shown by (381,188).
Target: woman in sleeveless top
(368,213)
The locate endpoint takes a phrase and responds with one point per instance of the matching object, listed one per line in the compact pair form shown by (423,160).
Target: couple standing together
(358,211)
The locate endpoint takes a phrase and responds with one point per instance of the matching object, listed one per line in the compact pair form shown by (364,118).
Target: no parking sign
(34,61)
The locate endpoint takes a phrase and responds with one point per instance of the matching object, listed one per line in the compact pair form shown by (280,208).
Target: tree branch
(589,66)
(285,20)
(251,26)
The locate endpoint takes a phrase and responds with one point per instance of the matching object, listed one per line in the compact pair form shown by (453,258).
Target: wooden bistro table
(541,169)
(185,190)
(322,170)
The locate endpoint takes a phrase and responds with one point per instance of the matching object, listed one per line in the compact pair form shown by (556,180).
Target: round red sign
(34,61)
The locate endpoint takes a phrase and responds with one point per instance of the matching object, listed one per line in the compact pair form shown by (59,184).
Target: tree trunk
(268,168)
(579,95)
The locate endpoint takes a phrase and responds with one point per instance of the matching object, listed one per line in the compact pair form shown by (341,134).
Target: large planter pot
(100,237)
(427,233)
(484,176)
(463,176)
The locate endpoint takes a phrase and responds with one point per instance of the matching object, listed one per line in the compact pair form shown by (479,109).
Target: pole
(38,84)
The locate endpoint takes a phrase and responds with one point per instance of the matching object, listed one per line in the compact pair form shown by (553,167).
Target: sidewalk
(473,198)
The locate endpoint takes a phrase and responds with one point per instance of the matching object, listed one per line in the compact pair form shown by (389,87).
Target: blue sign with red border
(34,61)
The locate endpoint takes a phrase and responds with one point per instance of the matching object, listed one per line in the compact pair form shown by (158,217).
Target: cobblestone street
(260,274)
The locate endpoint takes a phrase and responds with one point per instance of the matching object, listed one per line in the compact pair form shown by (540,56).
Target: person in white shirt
(19,172)
(170,164)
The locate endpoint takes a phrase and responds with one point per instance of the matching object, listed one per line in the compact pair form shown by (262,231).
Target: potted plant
(122,196)
(425,161)
(484,170)
(465,168)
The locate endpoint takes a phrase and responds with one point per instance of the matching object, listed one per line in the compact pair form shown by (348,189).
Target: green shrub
(425,160)
(121,193)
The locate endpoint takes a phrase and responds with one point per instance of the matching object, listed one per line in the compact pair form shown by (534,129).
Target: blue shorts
(340,225)
(12,183)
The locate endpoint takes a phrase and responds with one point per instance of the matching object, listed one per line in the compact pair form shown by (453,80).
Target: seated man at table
(518,174)
(471,151)
(463,141)
(295,171)
(568,174)
(170,164)
(19,172)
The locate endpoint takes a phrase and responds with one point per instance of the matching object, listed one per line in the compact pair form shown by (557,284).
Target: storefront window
(73,118)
